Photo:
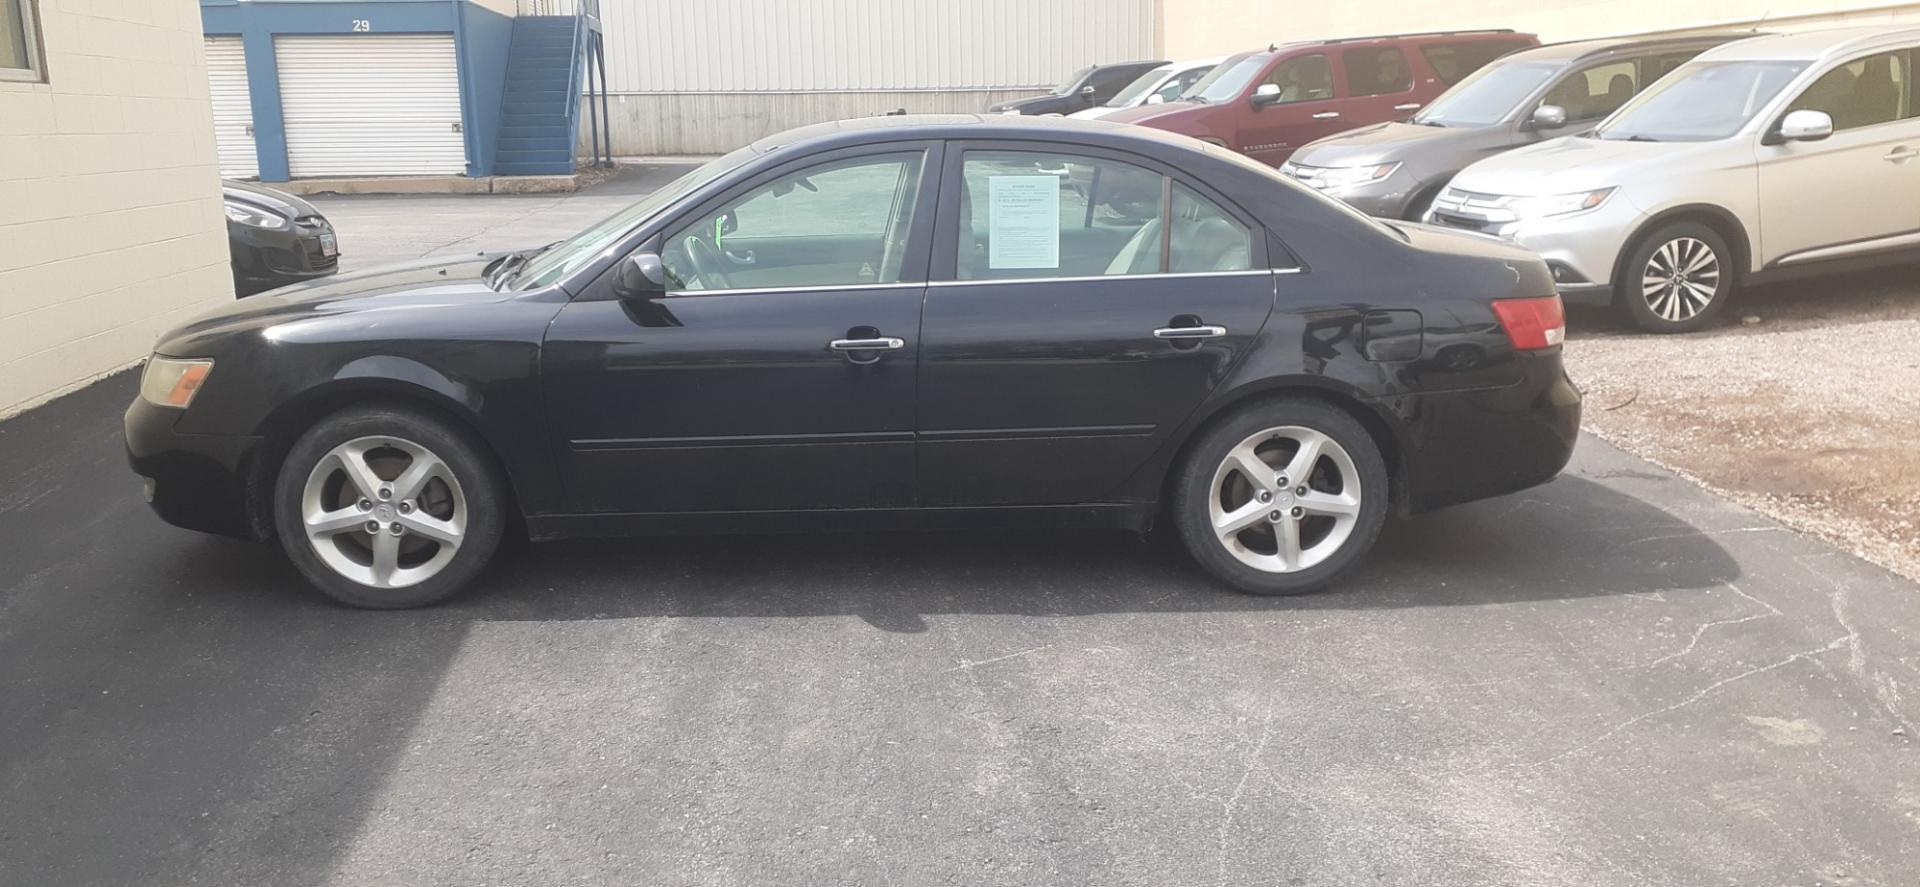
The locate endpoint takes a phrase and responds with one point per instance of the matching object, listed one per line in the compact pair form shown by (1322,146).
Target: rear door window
(1377,71)
(1033,214)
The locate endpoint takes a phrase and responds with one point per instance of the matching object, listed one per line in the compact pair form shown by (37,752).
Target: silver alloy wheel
(384,512)
(1680,279)
(1285,499)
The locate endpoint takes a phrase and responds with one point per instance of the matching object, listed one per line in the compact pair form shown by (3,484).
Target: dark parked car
(1083,89)
(1267,104)
(276,238)
(917,322)
(1394,170)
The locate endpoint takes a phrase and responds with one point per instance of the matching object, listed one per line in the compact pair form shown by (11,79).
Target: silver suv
(1394,170)
(1758,159)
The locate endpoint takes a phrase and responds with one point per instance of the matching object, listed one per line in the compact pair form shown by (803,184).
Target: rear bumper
(195,481)
(1489,442)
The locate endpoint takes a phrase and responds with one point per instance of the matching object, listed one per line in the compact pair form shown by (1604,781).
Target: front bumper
(1489,442)
(196,481)
(1581,249)
(287,255)
(1387,198)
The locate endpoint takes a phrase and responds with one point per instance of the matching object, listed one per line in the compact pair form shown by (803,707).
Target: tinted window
(1701,101)
(1875,89)
(840,223)
(1452,62)
(1072,83)
(1030,214)
(1593,93)
(1377,71)
(1305,78)
(1487,95)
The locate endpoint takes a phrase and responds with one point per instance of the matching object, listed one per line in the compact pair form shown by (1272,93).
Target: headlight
(1336,178)
(258,218)
(168,382)
(1557,204)
(1013,111)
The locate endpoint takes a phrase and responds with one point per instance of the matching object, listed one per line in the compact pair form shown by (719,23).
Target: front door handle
(1326,115)
(1410,106)
(1901,154)
(1190,332)
(878,343)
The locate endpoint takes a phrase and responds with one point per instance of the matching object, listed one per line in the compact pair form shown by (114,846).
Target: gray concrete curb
(433,185)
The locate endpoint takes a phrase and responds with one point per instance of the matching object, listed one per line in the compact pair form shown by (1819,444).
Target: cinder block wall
(1205,27)
(111,228)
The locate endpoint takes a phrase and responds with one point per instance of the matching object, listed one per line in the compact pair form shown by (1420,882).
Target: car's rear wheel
(1281,497)
(388,508)
(1677,279)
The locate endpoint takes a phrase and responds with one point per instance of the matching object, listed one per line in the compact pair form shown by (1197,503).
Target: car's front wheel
(387,508)
(1281,497)
(1677,279)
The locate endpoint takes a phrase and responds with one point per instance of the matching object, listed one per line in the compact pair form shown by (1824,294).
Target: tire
(1208,488)
(442,490)
(1673,305)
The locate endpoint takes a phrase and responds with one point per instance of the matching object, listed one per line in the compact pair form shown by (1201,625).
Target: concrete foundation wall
(111,229)
(715,123)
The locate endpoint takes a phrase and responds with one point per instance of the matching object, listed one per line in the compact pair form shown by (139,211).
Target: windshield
(578,250)
(1700,102)
(1228,80)
(1488,95)
(1140,86)
(1073,80)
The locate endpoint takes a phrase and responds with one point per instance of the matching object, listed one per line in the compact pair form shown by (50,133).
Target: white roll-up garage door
(373,105)
(232,108)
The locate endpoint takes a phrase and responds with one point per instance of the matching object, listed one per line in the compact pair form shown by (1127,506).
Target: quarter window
(19,46)
(1875,89)
(842,223)
(1030,214)
(1306,78)
(1377,72)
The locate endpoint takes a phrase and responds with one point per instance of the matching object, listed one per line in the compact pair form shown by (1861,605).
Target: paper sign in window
(1023,222)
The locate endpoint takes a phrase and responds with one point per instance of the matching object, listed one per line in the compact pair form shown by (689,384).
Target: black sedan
(918,322)
(1086,88)
(275,238)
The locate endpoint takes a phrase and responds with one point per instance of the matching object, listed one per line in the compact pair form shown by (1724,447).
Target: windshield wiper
(1433,123)
(511,263)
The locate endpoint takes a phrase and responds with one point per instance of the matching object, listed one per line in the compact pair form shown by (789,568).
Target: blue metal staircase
(540,111)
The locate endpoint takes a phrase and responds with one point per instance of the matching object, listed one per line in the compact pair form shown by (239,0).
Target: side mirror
(1086,92)
(1805,126)
(1549,117)
(1156,99)
(1266,94)
(640,276)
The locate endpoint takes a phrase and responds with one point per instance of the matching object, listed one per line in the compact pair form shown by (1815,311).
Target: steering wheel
(706,263)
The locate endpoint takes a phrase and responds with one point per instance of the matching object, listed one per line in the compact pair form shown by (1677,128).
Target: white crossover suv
(1758,159)
(1162,84)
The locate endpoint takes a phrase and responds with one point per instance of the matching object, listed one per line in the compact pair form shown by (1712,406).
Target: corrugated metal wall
(706,76)
(839,45)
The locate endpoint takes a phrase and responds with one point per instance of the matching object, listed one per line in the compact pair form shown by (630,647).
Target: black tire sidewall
(479,483)
(1633,303)
(1193,487)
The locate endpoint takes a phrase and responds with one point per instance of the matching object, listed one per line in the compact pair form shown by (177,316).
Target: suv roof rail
(1420,34)
(1658,40)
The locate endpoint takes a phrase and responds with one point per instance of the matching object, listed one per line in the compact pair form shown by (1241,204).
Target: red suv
(1265,104)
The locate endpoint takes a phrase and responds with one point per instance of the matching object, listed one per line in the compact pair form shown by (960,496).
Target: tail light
(1532,324)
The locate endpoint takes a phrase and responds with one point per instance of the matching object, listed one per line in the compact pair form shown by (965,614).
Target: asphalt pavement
(1615,679)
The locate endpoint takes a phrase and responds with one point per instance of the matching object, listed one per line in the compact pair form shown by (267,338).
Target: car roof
(1137,63)
(1811,46)
(1274,49)
(1582,50)
(901,127)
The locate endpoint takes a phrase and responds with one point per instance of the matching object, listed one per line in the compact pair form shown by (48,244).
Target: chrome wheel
(383,512)
(1680,279)
(1285,499)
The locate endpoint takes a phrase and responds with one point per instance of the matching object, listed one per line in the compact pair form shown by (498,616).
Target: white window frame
(34,72)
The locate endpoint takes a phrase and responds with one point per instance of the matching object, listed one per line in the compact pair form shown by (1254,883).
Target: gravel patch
(1804,405)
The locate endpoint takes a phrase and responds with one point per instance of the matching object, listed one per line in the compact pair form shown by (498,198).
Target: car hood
(1573,164)
(1152,113)
(343,306)
(278,201)
(1389,142)
(1101,112)
(1025,102)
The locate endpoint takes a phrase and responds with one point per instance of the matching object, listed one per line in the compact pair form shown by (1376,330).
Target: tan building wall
(1209,27)
(111,228)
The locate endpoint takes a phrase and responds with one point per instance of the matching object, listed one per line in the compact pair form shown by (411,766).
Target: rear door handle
(1900,155)
(1326,115)
(1410,106)
(1190,332)
(879,343)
